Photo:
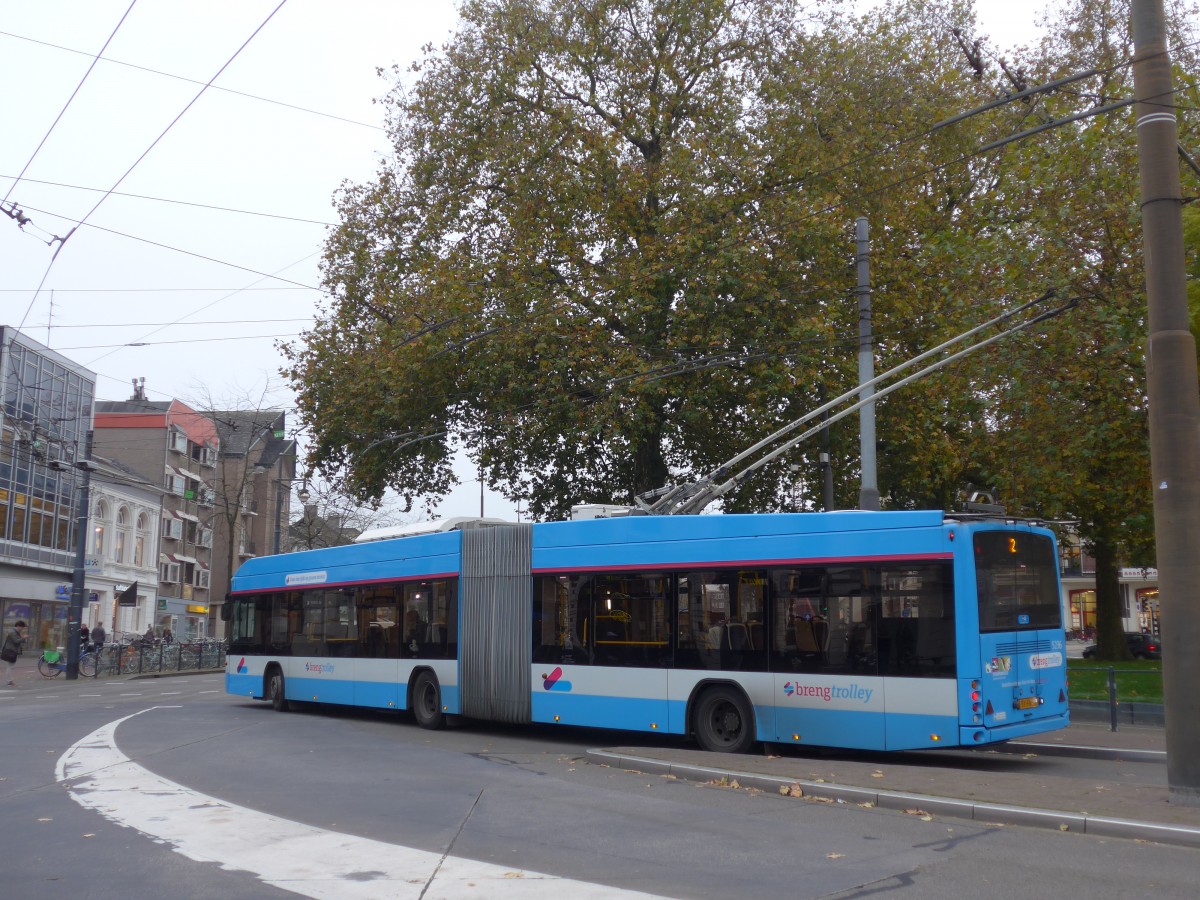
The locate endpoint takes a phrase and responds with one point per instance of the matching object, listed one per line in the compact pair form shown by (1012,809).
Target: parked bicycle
(54,662)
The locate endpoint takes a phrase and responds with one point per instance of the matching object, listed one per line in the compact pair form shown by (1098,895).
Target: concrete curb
(984,813)
(1084,752)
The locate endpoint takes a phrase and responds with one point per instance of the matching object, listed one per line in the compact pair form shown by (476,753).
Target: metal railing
(1149,713)
(140,656)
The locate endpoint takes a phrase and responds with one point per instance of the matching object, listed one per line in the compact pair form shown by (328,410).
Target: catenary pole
(868,494)
(1174,399)
(75,609)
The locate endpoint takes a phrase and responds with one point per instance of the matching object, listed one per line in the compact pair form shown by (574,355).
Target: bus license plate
(1027,703)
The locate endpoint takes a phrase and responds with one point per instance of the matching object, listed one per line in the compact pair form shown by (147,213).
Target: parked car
(1142,646)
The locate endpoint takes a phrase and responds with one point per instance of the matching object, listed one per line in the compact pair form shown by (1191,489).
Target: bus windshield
(1016,580)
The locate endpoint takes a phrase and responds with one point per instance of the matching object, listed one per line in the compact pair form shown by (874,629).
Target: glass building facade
(46,405)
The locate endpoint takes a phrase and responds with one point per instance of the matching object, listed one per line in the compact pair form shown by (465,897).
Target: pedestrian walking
(98,635)
(13,642)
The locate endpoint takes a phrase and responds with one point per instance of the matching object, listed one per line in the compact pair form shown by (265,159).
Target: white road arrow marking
(299,858)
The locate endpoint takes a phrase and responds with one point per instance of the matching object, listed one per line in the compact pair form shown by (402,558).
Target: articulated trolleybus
(872,630)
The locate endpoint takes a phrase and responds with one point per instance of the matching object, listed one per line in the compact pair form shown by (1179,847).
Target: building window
(122,535)
(139,541)
(96,547)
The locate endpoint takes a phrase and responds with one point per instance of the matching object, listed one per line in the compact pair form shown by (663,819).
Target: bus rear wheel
(277,691)
(427,701)
(723,721)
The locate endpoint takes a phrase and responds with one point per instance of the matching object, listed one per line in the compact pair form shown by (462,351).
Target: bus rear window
(1017,582)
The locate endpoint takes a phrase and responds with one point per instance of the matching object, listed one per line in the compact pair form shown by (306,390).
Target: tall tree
(612,247)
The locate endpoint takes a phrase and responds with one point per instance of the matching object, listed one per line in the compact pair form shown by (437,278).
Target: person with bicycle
(13,642)
(98,636)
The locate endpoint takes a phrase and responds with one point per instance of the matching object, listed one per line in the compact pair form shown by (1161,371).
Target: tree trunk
(1110,636)
(649,468)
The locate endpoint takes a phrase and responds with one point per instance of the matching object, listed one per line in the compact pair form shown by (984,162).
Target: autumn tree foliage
(614,246)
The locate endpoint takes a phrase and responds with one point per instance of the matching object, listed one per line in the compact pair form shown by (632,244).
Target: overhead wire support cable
(62,241)
(63,111)
(692,497)
(174,121)
(1009,98)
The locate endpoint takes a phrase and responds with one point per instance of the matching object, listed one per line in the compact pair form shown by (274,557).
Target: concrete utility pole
(826,461)
(868,494)
(1174,399)
(78,579)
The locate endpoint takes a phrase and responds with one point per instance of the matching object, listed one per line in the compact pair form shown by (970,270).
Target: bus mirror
(226,610)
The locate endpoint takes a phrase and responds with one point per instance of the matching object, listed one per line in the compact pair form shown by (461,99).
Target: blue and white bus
(872,630)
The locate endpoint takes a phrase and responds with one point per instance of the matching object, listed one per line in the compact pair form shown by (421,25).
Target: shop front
(1141,590)
(47,621)
(45,612)
(187,619)
(1139,602)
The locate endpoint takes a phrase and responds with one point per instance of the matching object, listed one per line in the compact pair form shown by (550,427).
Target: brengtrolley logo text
(829,692)
(318,667)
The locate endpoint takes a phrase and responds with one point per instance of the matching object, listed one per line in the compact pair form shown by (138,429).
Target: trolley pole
(1174,398)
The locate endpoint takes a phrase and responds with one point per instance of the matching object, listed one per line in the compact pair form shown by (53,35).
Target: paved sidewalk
(27,677)
(1015,785)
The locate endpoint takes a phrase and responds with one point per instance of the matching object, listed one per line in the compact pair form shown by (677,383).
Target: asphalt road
(472,811)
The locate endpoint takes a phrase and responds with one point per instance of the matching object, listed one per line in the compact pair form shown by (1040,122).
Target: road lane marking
(302,859)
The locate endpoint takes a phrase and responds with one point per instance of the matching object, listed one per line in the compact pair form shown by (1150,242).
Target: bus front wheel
(723,721)
(277,691)
(427,701)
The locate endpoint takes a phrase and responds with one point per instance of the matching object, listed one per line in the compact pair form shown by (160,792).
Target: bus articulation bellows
(871,630)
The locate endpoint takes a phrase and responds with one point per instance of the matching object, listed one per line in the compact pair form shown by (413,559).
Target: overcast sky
(163,285)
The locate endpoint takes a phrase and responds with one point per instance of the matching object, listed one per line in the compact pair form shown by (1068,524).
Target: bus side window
(561,613)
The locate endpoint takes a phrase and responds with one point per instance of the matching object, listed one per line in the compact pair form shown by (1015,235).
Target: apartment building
(256,470)
(169,443)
